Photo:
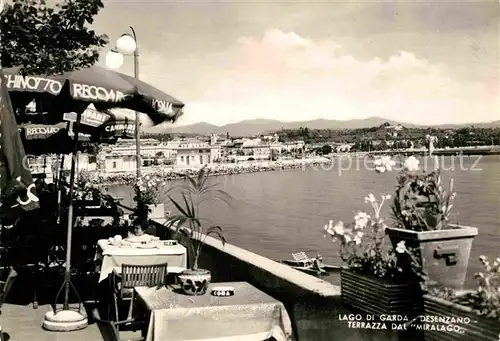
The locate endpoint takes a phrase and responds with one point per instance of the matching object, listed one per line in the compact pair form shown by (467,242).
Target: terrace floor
(23,323)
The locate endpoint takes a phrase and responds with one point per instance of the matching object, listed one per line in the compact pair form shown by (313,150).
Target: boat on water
(312,266)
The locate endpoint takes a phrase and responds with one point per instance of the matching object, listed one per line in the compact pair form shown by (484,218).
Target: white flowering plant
(147,192)
(421,202)
(362,242)
(147,189)
(486,299)
(85,190)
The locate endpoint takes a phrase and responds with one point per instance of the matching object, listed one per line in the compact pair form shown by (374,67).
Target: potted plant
(421,210)
(87,195)
(189,223)
(147,196)
(373,282)
(474,315)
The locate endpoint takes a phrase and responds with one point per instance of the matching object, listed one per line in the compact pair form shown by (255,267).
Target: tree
(326,149)
(45,40)
(273,155)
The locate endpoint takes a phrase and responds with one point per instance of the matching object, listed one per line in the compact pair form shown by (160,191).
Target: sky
(419,62)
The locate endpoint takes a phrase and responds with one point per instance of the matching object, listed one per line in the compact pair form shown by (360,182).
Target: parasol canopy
(74,91)
(16,182)
(40,139)
(65,97)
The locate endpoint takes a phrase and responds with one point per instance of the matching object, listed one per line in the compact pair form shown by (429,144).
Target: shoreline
(170,173)
(179,173)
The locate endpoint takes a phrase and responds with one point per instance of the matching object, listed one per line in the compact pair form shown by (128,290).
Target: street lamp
(114,59)
(126,45)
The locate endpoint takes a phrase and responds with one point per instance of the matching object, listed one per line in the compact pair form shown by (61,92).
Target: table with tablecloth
(248,315)
(112,257)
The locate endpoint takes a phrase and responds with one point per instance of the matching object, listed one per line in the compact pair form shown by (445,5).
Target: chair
(5,287)
(110,331)
(30,256)
(136,276)
(302,259)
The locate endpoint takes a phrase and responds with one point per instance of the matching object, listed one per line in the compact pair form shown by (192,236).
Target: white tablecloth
(249,315)
(113,257)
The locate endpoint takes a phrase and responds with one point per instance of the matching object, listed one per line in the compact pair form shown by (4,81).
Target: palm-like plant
(188,222)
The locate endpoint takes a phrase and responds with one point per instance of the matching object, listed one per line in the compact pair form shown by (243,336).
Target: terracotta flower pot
(467,325)
(195,282)
(444,254)
(377,296)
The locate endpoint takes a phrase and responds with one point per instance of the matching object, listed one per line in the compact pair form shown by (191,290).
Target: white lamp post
(126,45)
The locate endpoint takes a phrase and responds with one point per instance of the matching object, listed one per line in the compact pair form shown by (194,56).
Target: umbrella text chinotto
(75,90)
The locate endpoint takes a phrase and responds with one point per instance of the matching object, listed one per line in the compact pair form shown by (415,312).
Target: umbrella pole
(59,191)
(68,320)
(67,274)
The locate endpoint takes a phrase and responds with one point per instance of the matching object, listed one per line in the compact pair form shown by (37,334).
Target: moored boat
(312,266)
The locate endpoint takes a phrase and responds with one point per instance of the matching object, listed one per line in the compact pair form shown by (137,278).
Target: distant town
(190,150)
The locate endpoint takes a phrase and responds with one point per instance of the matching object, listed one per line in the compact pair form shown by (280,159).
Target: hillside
(263,126)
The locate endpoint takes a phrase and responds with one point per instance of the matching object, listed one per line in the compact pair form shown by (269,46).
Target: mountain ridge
(265,126)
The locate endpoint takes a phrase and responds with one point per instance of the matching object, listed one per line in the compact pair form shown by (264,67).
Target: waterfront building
(193,152)
(150,148)
(247,149)
(344,147)
(293,146)
(122,156)
(227,151)
(255,149)
(112,163)
(312,146)
(42,166)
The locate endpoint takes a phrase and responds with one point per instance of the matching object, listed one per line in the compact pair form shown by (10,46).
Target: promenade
(473,150)
(214,169)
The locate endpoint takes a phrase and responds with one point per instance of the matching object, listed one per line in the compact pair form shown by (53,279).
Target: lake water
(276,214)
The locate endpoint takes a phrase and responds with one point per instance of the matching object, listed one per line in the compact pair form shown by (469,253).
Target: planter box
(157,211)
(444,254)
(480,328)
(376,296)
(88,203)
(98,211)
